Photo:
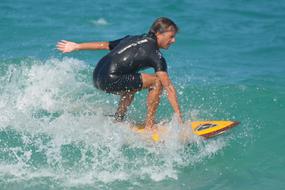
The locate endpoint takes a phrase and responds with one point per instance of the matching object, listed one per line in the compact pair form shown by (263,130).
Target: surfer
(118,71)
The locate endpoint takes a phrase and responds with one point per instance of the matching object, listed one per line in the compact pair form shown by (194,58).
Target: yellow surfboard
(206,129)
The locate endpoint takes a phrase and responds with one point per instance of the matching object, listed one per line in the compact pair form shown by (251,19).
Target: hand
(67,46)
(180,121)
(179,118)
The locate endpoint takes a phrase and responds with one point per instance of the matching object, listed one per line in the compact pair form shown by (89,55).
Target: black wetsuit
(118,71)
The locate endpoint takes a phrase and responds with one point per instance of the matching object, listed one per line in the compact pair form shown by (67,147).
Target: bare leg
(125,101)
(154,85)
(153,100)
(155,88)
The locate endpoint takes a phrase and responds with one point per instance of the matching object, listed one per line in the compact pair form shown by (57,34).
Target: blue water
(228,63)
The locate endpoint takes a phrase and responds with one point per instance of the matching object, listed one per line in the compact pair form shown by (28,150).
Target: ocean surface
(228,63)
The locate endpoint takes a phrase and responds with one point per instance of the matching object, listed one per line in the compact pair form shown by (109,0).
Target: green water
(227,64)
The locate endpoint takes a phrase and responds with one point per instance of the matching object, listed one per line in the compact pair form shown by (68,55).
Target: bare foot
(151,129)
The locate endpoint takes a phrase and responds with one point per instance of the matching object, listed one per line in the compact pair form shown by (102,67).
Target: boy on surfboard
(118,71)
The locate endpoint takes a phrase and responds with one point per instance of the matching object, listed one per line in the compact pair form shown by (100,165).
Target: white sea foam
(100,21)
(58,117)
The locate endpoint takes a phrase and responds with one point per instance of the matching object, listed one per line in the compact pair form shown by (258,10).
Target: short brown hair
(162,25)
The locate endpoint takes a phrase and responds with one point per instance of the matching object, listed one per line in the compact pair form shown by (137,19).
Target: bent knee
(157,84)
(151,81)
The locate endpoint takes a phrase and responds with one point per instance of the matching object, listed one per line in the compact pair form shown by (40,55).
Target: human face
(165,39)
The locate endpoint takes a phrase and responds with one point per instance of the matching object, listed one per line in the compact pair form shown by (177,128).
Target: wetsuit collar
(153,36)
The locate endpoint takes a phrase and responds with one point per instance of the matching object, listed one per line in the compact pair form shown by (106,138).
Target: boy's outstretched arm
(67,46)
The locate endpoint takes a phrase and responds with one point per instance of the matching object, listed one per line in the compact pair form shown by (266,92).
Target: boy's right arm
(67,46)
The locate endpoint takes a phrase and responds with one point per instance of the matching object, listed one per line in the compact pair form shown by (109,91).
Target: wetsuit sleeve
(160,64)
(114,43)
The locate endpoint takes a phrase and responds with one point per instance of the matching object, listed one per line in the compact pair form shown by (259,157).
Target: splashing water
(53,126)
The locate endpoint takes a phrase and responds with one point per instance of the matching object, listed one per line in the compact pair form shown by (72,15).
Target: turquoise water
(228,63)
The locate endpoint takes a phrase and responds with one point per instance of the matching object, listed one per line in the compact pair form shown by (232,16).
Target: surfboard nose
(210,129)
